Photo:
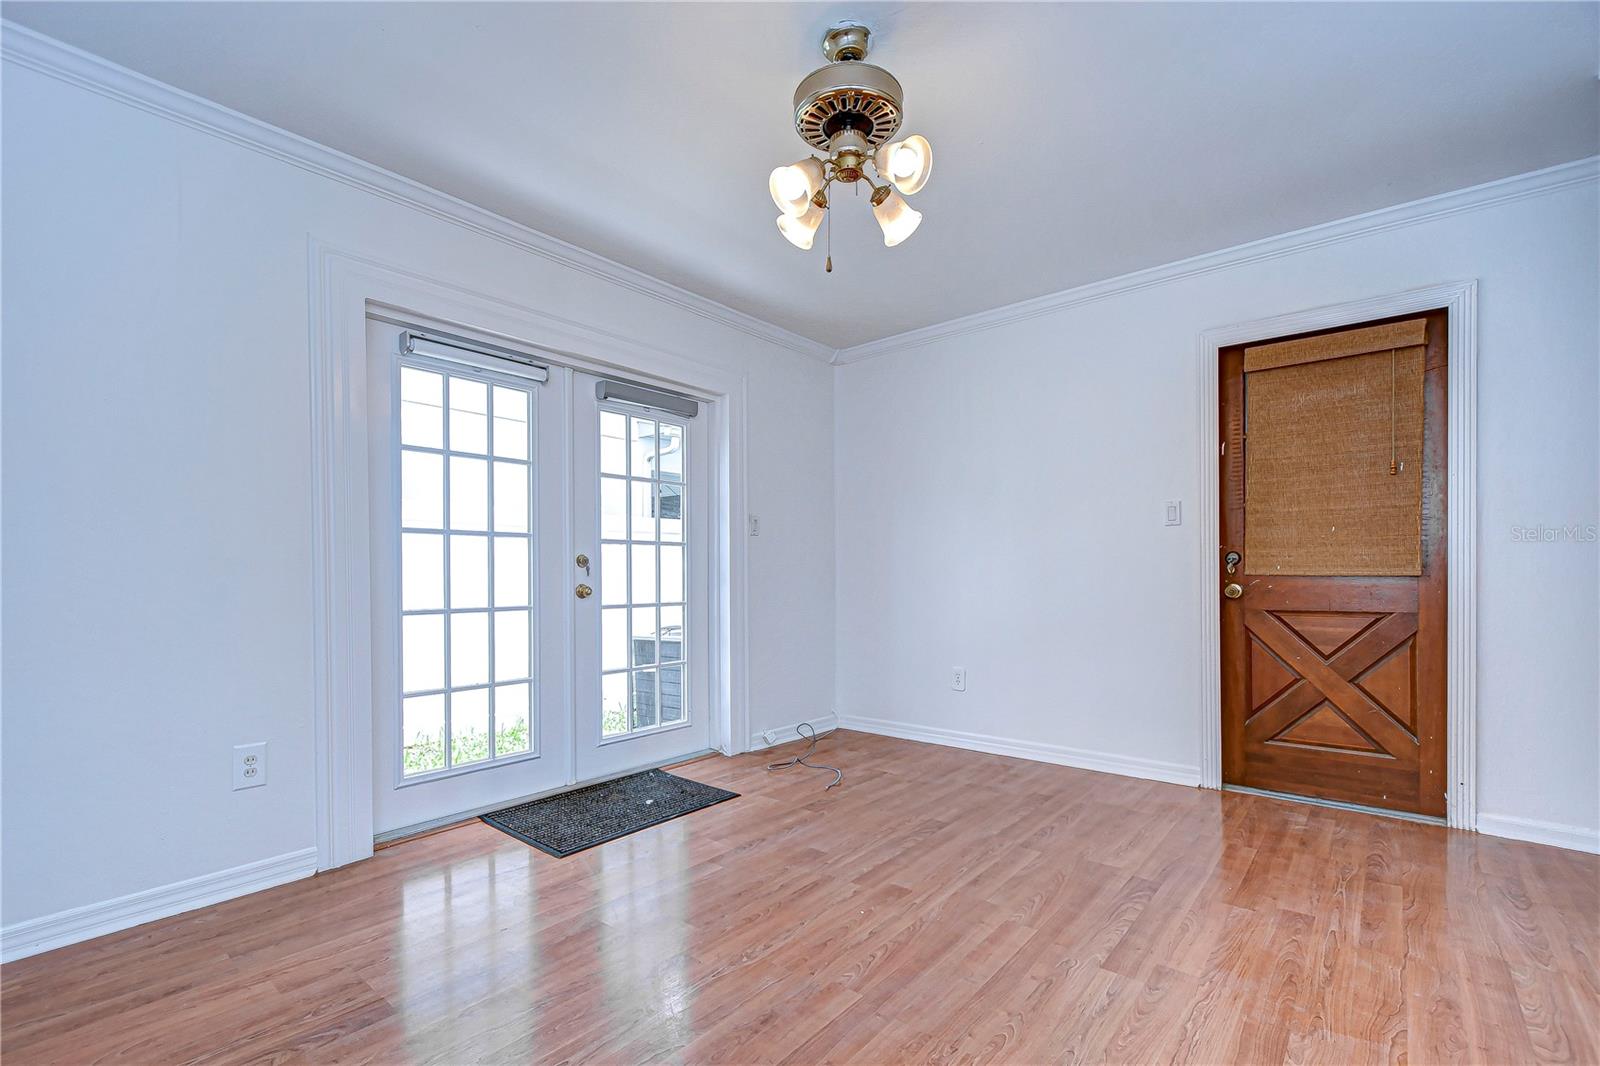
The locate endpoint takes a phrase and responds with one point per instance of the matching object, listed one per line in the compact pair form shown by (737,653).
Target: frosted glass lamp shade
(793,186)
(898,219)
(799,230)
(906,163)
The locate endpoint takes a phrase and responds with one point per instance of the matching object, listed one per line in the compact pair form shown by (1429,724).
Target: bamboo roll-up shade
(1324,418)
(1409,334)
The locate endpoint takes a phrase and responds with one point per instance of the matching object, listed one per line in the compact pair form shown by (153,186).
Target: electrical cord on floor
(800,760)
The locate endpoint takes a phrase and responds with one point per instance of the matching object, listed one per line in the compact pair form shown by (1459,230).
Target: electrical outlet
(249,765)
(958,679)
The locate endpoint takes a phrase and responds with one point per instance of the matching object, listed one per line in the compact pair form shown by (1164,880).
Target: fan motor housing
(847,95)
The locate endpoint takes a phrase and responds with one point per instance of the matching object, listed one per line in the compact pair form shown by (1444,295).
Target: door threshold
(690,760)
(391,837)
(1338,805)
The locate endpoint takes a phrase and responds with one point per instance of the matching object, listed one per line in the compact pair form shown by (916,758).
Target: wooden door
(1333,684)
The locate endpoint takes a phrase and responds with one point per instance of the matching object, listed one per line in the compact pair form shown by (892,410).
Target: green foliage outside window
(426,752)
(614,719)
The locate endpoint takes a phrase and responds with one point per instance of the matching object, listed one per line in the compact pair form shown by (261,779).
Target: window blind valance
(1409,334)
(627,392)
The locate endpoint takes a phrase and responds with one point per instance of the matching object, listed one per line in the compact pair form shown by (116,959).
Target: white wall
(157,520)
(999,506)
(995,498)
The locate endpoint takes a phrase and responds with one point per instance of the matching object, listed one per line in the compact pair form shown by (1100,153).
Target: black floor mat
(573,821)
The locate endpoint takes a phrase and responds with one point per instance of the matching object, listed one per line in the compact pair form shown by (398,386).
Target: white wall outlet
(249,765)
(1174,512)
(958,679)
(755,525)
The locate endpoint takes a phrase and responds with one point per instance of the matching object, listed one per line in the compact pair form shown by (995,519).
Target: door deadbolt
(583,561)
(583,592)
(1231,561)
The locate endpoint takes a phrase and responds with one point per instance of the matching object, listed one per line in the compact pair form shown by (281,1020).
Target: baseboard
(1533,831)
(784,733)
(36,935)
(1572,837)
(1104,762)
(433,825)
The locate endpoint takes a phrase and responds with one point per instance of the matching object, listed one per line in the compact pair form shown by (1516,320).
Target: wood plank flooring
(940,906)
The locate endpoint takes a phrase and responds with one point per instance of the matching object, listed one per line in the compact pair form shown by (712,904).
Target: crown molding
(56,59)
(1505,190)
(61,61)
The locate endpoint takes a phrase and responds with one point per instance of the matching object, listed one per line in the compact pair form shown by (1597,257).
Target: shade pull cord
(1394,467)
(800,760)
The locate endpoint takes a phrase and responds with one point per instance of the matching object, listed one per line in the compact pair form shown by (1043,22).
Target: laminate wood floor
(941,905)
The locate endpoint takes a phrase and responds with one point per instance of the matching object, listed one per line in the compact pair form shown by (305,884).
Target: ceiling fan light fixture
(793,186)
(897,218)
(800,230)
(849,110)
(906,163)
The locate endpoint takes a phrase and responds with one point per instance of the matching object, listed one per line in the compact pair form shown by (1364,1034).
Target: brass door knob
(584,592)
(1232,590)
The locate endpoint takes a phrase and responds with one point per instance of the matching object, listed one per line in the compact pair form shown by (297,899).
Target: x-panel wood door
(1334,686)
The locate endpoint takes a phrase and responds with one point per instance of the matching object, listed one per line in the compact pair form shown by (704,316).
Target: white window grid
(659,487)
(461,372)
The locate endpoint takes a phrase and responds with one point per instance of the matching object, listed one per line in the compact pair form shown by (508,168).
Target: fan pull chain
(829,219)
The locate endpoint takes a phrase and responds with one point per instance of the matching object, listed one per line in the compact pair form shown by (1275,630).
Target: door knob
(584,592)
(1232,590)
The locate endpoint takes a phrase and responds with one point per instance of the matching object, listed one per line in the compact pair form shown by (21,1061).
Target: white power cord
(800,760)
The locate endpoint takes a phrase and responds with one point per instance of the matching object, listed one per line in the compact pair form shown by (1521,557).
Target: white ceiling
(1072,142)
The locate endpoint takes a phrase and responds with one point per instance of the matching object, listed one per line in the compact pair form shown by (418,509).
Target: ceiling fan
(849,110)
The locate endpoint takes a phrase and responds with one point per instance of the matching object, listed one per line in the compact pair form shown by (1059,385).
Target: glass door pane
(467,627)
(641,655)
(642,582)
(469,512)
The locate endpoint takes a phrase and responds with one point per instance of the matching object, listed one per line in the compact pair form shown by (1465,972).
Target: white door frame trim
(343,289)
(1460,299)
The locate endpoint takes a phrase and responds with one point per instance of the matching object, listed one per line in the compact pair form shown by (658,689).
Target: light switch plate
(1174,512)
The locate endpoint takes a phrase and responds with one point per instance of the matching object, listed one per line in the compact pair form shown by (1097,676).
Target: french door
(539,580)
(641,505)
(469,656)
